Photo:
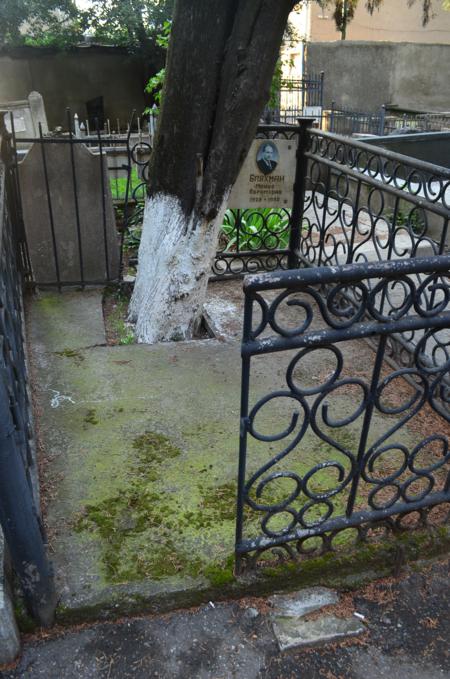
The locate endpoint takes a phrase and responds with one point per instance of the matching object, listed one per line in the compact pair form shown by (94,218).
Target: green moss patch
(144,528)
(91,416)
(71,353)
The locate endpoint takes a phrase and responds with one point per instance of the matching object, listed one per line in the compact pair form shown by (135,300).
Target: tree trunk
(221,58)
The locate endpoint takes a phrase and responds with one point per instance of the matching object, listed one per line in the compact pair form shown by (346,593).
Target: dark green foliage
(39,22)
(131,23)
(60,23)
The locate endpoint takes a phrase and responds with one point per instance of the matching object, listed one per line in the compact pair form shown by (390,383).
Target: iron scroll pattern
(366,204)
(376,477)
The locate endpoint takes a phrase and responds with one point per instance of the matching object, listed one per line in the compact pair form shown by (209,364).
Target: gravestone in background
(36,215)
(27,115)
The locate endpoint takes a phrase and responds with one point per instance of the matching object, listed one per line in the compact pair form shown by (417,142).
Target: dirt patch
(115,313)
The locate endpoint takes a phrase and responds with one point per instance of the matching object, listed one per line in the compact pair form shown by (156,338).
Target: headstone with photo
(267,176)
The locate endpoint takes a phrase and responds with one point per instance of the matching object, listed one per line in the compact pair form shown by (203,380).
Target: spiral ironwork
(379,476)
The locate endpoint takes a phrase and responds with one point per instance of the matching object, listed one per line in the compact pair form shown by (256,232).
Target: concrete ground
(406,618)
(140,452)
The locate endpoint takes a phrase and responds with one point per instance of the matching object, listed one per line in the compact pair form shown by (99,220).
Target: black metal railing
(327,455)
(341,120)
(348,122)
(296,96)
(301,92)
(19,496)
(363,206)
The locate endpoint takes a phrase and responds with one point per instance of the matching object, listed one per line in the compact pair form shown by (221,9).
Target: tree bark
(220,62)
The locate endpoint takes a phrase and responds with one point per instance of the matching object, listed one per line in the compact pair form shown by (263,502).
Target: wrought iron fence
(348,122)
(364,206)
(298,93)
(19,496)
(314,475)
(417,122)
(382,122)
(296,96)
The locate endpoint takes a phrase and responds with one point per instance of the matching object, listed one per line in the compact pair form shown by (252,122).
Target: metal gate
(311,471)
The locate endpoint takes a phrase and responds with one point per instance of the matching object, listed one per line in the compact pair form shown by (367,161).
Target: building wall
(69,79)
(393,22)
(365,75)
(292,55)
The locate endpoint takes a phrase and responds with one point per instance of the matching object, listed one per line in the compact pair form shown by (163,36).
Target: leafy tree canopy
(131,23)
(39,22)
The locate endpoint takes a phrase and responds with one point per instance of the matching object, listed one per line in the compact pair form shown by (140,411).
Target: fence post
(299,192)
(382,120)
(333,104)
(322,74)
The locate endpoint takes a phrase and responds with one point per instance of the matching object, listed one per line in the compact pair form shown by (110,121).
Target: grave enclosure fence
(370,263)
(331,478)
(355,206)
(19,494)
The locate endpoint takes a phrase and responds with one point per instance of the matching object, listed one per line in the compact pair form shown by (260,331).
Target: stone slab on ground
(141,448)
(303,602)
(407,638)
(294,629)
(296,632)
(66,321)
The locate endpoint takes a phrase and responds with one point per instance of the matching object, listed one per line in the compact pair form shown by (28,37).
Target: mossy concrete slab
(141,447)
(66,321)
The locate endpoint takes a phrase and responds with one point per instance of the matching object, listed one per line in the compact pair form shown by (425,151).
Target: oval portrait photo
(267,157)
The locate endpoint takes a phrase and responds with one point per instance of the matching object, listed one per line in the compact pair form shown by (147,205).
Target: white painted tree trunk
(175,257)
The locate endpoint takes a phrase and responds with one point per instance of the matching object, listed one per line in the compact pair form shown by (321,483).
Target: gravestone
(92,221)
(27,115)
(266,182)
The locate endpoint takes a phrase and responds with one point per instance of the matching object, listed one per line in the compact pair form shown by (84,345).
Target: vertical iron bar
(127,195)
(238,221)
(324,217)
(354,223)
(50,208)
(333,103)
(102,183)
(360,459)
(245,390)
(75,197)
(390,248)
(322,74)
(382,119)
(296,221)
